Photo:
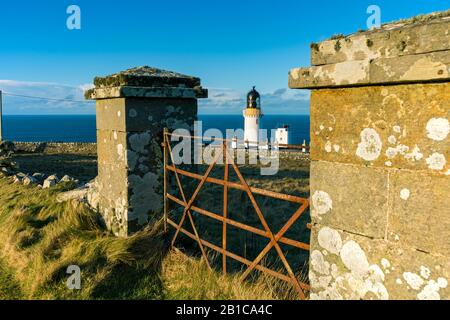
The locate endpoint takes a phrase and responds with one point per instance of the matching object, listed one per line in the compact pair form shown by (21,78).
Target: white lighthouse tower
(252,115)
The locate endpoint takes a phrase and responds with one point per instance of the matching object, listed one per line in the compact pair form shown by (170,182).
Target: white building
(282,136)
(252,115)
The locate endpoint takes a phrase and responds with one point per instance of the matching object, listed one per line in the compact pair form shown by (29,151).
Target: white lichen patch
(404,194)
(392,140)
(144,197)
(413,280)
(415,154)
(370,146)
(322,202)
(397,129)
(398,150)
(438,129)
(425,272)
(138,142)
(354,258)
(330,240)
(133,113)
(388,163)
(319,264)
(436,161)
(336,148)
(385,263)
(359,279)
(328,147)
(431,289)
(120,152)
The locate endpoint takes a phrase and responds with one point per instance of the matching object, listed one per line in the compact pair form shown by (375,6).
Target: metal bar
(239,258)
(266,227)
(278,236)
(1,116)
(191,201)
(186,210)
(262,233)
(225,211)
(166,208)
(238,186)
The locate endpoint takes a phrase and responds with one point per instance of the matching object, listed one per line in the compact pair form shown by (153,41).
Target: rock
(5,171)
(93,194)
(54,177)
(29,180)
(77,194)
(16,179)
(21,175)
(66,178)
(50,182)
(39,177)
(7,148)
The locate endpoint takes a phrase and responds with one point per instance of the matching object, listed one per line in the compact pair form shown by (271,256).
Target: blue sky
(231,45)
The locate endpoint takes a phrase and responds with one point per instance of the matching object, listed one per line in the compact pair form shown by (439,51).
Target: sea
(81,128)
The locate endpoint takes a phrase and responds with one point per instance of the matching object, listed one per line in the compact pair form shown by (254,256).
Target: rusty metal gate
(188,204)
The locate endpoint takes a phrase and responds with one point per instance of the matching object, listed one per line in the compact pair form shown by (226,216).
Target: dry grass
(40,238)
(190,279)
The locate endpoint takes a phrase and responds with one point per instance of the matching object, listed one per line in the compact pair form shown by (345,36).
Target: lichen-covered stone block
(429,33)
(404,126)
(349,197)
(419,213)
(380,171)
(133,108)
(345,266)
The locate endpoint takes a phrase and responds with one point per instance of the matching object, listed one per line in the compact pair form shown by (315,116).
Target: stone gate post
(380,170)
(133,107)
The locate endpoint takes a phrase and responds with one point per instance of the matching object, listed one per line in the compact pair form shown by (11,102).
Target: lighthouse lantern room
(252,115)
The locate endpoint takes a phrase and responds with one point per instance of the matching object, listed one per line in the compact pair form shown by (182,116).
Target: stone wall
(380,171)
(56,147)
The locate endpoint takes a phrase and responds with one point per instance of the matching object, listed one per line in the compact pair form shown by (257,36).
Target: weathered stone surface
(419,213)
(50,182)
(352,267)
(405,126)
(29,180)
(146,82)
(133,108)
(77,194)
(349,197)
(405,69)
(145,92)
(56,147)
(416,68)
(147,77)
(112,148)
(409,37)
(134,114)
(380,173)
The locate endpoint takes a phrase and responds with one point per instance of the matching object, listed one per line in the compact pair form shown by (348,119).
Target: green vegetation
(40,238)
